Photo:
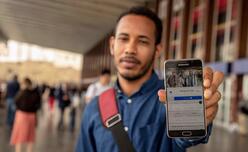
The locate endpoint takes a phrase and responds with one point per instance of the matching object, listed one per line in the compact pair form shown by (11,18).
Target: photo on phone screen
(185,102)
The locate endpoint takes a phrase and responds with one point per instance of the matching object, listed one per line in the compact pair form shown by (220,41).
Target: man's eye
(144,42)
(123,38)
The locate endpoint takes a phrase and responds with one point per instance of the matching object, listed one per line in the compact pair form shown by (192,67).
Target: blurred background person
(64,101)
(2,92)
(12,88)
(76,100)
(27,103)
(98,87)
(51,99)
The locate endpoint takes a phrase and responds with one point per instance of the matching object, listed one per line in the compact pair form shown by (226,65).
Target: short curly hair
(144,11)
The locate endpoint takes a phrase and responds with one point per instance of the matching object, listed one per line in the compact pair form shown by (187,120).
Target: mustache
(130,59)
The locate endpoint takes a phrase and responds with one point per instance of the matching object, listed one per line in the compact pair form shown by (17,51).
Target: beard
(143,71)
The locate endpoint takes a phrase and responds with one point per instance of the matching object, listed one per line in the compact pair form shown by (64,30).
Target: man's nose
(131,48)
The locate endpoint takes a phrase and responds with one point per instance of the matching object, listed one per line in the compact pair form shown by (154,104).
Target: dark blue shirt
(144,119)
(12,89)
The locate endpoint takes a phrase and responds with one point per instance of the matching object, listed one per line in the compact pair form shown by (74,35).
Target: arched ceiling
(73,25)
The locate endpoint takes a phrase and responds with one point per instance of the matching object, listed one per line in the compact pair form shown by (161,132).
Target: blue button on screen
(188,98)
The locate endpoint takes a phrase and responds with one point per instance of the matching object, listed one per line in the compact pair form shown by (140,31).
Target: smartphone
(185,108)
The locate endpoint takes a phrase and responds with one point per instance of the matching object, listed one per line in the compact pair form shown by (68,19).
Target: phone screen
(185,104)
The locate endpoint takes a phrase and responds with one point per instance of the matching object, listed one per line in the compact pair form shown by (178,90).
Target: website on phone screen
(185,98)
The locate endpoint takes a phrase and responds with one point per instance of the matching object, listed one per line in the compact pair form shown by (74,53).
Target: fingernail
(207,93)
(207,83)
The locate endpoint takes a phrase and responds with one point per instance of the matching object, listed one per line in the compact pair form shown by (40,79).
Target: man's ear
(111,44)
(158,50)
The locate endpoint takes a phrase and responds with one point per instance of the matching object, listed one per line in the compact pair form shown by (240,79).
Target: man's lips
(129,62)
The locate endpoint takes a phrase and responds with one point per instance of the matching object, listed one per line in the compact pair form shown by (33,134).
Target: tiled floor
(49,139)
(223,141)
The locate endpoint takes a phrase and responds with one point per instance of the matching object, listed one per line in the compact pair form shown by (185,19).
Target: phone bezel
(179,133)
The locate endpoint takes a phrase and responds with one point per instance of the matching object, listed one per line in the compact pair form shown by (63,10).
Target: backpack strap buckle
(113,120)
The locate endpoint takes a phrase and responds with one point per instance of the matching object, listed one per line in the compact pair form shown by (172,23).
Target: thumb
(162,96)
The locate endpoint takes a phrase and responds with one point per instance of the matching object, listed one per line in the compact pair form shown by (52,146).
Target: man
(134,46)
(64,99)
(172,80)
(98,87)
(12,89)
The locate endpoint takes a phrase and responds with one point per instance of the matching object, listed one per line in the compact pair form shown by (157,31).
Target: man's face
(133,46)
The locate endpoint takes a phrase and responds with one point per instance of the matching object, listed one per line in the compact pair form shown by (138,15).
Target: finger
(162,96)
(207,76)
(213,100)
(207,94)
(211,118)
(217,80)
(211,114)
(210,111)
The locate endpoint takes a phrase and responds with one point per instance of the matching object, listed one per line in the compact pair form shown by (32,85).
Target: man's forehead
(138,22)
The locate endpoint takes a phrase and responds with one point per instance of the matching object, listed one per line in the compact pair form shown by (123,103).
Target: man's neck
(130,87)
(103,83)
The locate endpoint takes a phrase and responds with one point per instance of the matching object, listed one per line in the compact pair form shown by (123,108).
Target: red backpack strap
(108,108)
(112,120)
